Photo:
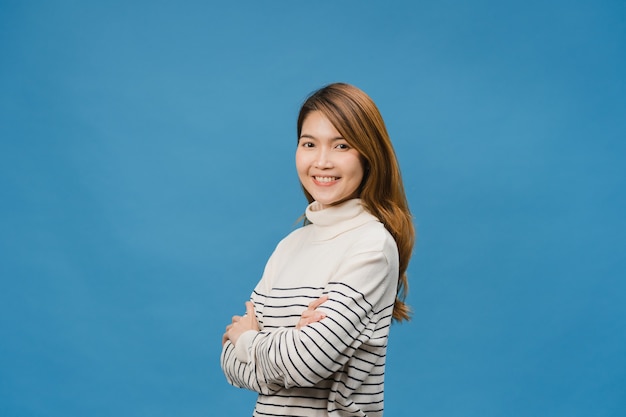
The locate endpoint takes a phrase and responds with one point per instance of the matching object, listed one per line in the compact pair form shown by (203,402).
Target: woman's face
(328,167)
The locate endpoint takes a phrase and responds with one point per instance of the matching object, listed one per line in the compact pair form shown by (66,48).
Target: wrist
(243,345)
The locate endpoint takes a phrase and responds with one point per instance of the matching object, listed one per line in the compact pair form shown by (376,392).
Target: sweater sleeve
(243,374)
(234,360)
(361,293)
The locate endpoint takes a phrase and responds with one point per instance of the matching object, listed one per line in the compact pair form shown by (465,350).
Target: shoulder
(374,237)
(299,233)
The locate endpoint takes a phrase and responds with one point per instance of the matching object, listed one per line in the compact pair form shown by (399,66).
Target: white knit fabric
(334,367)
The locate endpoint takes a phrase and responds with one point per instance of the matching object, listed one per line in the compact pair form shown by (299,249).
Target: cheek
(301,163)
(357,170)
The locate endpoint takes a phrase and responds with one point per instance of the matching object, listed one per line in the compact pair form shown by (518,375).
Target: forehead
(317,125)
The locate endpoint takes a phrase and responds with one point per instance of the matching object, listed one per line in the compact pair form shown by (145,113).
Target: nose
(322,159)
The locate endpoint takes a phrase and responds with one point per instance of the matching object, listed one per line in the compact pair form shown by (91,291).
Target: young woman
(314,337)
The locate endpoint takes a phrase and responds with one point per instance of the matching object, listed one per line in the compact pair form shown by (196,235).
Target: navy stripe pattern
(334,367)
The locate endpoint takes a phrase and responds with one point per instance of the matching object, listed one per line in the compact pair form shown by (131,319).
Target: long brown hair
(358,120)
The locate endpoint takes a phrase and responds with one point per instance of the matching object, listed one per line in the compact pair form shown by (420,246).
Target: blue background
(146,173)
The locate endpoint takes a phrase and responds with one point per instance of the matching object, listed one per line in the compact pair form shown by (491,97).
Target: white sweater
(334,367)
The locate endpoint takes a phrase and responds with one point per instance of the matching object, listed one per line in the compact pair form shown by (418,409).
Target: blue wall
(146,172)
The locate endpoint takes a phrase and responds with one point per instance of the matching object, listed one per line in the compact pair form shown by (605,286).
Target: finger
(313,317)
(318,316)
(301,323)
(249,308)
(309,319)
(315,304)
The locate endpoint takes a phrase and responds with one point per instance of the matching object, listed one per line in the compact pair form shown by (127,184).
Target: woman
(347,264)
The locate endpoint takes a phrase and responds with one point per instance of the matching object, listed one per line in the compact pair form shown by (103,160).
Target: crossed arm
(241,324)
(280,357)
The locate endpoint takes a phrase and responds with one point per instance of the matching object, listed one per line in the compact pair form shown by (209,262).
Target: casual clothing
(334,367)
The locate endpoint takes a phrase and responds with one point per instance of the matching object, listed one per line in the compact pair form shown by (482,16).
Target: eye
(342,146)
(306,144)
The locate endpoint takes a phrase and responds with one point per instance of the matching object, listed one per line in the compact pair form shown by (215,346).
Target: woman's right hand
(310,315)
(241,324)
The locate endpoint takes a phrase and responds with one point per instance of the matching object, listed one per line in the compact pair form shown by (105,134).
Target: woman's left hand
(311,315)
(241,324)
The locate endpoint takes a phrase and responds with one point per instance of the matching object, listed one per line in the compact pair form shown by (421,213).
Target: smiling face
(328,167)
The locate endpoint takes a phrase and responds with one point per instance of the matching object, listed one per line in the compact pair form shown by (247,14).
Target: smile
(325,179)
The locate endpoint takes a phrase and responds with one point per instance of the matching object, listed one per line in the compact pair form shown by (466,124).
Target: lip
(325,183)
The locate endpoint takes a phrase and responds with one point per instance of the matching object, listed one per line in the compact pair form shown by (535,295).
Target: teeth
(325,179)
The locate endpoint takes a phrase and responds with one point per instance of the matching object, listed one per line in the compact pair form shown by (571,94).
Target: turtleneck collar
(332,221)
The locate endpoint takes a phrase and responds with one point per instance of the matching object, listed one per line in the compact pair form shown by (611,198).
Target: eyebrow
(305,136)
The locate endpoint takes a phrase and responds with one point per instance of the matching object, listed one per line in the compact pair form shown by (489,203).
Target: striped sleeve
(241,374)
(358,296)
